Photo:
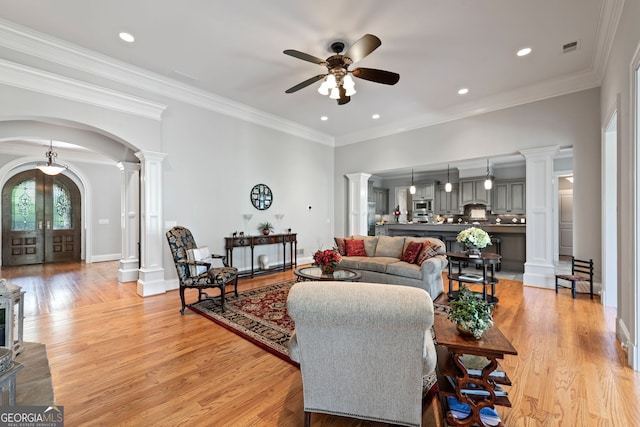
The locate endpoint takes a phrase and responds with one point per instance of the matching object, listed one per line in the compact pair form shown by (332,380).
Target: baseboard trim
(105,257)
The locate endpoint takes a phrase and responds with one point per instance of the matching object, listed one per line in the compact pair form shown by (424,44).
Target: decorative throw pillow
(342,247)
(355,247)
(411,253)
(202,254)
(429,250)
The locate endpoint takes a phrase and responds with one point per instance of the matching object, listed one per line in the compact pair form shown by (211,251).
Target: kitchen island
(512,238)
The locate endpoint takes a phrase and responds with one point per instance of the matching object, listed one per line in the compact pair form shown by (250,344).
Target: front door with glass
(40,219)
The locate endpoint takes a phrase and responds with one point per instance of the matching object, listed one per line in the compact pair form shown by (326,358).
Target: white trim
(635,228)
(609,203)
(610,14)
(105,257)
(24,77)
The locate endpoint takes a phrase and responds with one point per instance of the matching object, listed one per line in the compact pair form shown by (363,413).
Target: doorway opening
(41,219)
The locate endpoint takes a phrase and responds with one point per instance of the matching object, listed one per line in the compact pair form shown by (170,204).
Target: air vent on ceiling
(569,47)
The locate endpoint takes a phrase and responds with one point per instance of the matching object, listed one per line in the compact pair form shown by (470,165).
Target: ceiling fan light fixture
(324,88)
(335,93)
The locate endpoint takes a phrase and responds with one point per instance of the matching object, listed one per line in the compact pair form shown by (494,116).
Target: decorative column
(129,221)
(152,241)
(539,269)
(358,198)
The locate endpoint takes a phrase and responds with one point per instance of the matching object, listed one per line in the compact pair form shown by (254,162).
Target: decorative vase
(327,269)
(473,251)
(476,335)
(266,232)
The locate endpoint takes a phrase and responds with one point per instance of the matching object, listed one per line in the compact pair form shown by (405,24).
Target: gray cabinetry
(424,192)
(381,199)
(446,203)
(509,197)
(472,192)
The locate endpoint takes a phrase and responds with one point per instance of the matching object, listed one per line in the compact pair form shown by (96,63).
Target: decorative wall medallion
(261,197)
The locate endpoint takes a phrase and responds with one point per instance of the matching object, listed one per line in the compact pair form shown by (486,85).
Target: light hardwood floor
(119,359)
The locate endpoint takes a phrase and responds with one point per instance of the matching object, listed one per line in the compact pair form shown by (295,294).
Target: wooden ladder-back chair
(199,274)
(581,271)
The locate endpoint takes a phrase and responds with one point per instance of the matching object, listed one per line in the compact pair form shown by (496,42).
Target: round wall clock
(261,197)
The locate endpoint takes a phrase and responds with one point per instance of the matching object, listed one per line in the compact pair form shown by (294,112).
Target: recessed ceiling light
(127,37)
(524,52)
(375,116)
(324,118)
(463,91)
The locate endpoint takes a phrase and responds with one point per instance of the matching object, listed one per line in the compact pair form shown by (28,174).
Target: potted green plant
(471,314)
(266,227)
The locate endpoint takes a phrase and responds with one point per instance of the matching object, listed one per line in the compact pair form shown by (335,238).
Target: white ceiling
(234,49)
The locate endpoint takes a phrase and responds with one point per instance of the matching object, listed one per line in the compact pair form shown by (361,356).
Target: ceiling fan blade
(363,47)
(305,83)
(343,96)
(378,76)
(304,56)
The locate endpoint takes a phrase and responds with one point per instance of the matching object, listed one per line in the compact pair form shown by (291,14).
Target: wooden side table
(450,347)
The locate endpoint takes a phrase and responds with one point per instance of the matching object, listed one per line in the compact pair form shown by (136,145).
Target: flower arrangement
(327,257)
(473,236)
(471,314)
(397,213)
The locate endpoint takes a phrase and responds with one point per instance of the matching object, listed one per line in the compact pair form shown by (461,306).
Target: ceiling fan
(338,83)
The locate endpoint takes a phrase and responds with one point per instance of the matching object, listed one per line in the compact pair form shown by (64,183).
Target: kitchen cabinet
(424,192)
(472,192)
(381,199)
(509,197)
(446,203)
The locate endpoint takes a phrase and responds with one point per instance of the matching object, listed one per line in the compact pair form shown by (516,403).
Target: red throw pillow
(342,248)
(429,250)
(355,247)
(411,253)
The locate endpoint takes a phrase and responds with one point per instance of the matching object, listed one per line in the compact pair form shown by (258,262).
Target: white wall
(617,82)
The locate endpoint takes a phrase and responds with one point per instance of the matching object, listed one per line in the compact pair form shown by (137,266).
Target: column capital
(150,155)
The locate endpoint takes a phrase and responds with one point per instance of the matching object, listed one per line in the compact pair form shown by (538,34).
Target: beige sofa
(365,349)
(383,263)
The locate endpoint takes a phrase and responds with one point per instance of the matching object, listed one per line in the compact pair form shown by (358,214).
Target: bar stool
(448,242)
(497,242)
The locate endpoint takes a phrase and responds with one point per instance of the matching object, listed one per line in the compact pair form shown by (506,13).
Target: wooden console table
(487,261)
(450,347)
(272,239)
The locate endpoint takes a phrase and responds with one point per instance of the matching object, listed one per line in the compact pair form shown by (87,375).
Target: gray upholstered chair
(363,349)
(197,274)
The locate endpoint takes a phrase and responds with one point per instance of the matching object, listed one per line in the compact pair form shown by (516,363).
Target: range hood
(476,211)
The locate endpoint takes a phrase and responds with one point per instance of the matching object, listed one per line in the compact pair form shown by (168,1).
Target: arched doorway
(41,219)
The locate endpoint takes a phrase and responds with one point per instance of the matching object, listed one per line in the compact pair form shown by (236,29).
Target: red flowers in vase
(327,257)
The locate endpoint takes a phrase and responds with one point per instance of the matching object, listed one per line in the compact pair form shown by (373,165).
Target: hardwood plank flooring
(121,360)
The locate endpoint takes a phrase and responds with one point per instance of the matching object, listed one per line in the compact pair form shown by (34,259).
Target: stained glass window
(62,214)
(23,206)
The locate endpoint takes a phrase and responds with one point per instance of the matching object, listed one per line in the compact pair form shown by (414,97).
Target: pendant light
(448,187)
(488,184)
(412,189)
(51,167)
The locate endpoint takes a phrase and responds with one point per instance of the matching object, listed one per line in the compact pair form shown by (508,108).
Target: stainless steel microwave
(422,205)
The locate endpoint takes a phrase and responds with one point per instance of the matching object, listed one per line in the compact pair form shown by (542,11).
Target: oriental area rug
(260,316)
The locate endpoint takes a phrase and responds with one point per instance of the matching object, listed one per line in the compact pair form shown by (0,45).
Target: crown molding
(21,76)
(25,40)
(610,14)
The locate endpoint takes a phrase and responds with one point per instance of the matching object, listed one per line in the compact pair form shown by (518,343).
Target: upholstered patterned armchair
(199,274)
(363,348)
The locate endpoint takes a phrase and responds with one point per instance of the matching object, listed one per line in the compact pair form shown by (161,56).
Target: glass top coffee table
(315,273)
